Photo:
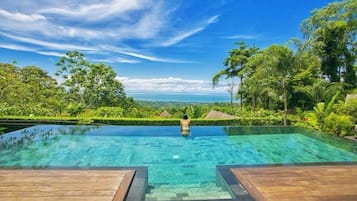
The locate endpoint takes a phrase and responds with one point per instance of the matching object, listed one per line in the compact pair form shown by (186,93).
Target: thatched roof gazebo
(219,115)
(350,97)
(165,114)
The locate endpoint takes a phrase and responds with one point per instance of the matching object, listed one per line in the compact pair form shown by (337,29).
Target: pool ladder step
(188,193)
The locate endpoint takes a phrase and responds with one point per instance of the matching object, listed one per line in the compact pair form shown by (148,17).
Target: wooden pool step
(290,183)
(44,184)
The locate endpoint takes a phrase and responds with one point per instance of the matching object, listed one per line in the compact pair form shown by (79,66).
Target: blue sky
(153,45)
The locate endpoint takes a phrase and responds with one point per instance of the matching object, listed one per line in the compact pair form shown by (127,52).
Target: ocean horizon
(181,97)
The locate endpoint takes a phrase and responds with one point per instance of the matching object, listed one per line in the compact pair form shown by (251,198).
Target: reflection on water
(40,133)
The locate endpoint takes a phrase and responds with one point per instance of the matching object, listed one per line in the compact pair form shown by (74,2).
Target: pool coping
(137,187)
(239,193)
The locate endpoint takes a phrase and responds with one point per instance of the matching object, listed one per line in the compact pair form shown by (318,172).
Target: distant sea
(181,97)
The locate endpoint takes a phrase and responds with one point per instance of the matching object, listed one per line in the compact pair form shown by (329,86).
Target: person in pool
(185,125)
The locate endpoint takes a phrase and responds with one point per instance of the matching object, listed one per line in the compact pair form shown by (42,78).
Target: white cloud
(91,50)
(32,49)
(29,49)
(242,36)
(181,36)
(19,17)
(51,53)
(51,27)
(97,11)
(116,60)
(152,58)
(45,44)
(16,47)
(132,53)
(170,84)
(135,19)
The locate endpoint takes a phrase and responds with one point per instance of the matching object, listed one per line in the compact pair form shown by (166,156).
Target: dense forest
(304,82)
(313,74)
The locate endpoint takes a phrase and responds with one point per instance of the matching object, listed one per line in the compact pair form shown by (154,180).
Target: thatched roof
(219,115)
(350,97)
(165,114)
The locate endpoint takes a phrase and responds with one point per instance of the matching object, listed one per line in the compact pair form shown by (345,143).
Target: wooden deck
(88,185)
(300,183)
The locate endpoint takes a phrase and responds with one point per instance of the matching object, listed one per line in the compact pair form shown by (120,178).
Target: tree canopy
(28,90)
(280,77)
(331,34)
(90,85)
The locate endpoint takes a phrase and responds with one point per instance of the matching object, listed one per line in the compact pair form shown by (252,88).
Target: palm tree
(321,90)
(275,65)
(282,61)
(252,86)
(235,64)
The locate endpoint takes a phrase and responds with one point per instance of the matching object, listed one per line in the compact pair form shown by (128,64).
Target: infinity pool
(182,166)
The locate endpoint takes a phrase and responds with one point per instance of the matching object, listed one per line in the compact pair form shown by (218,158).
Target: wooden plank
(124,187)
(248,185)
(332,182)
(91,185)
(92,198)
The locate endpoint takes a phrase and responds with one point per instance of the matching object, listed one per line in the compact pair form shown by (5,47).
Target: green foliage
(109,112)
(279,78)
(299,113)
(320,90)
(334,118)
(235,65)
(235,62)
(89,84)
(340,125)
(320,112)
(247,112)
(349,108)
(74,109)
(195,111)
(271,69)
(28,91)
(330,34)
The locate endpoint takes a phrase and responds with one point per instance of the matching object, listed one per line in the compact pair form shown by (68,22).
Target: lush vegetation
(302,82)
(87,89)
(308,78)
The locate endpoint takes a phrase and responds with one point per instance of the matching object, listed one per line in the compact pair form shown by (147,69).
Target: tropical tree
(9,77)
(89,85)
(102,88)
(42,91)
(231,89)
(235,64)
(28,90)
(321,111)
(73,68)
(321,90)
(274,66)
(330,33)
(252,88)
(282,61)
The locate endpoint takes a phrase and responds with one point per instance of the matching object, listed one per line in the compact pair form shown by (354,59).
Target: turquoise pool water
(172,160)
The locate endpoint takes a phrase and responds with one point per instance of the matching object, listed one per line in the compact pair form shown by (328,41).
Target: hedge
(137,121)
